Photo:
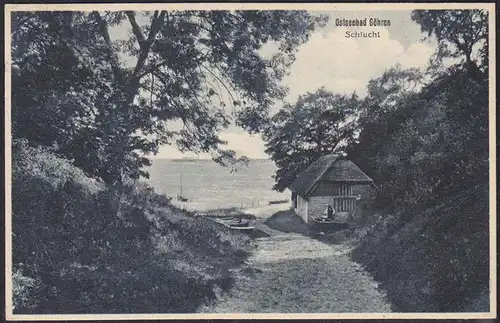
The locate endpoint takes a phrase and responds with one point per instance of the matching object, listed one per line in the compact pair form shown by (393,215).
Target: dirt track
(293,273)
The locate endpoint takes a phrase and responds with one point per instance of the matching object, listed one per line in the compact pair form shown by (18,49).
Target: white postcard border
(250,6)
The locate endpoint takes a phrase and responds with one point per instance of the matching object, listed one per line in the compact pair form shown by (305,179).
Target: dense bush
(140,193)
(435,139)
(429,237)
(73,253)
(427,148)
(438,260)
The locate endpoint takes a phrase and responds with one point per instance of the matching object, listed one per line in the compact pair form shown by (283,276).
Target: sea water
(209,186)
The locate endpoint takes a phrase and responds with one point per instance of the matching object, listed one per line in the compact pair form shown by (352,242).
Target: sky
(340,64)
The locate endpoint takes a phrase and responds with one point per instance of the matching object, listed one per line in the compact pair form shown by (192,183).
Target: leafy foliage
(73,254)
(105,102)
(434,135)
(427,148)
(87,106)
(317,124)
(441,251)
(423,138)
(460,34)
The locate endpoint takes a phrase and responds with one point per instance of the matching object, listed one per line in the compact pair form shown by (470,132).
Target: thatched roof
(333,168)
(344,170)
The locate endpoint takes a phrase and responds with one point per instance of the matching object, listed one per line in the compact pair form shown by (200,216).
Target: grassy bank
(437,260)
(80,247)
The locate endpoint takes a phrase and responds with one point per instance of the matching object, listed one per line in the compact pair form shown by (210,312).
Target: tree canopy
(318,123)
(460,34)
(178,77)
(433,135)
(419,135)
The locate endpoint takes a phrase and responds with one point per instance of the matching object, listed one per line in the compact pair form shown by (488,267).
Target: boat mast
(180,194)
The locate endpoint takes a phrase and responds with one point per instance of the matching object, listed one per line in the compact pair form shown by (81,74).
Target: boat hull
(326,221)
(241,228)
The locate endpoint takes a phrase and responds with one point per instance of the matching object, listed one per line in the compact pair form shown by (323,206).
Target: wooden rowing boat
(240,225)
(326,221)
(241,228)
(234,224)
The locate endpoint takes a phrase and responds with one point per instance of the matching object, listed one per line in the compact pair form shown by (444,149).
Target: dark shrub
(438,260)
(75,252)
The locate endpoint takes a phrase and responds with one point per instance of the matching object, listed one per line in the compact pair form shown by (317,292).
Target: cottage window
(343,202)
(345,190)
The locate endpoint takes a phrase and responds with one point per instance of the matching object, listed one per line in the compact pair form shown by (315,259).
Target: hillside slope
(74,254)
(436,261)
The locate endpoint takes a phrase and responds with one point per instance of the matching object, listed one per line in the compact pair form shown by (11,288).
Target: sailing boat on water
(179,196)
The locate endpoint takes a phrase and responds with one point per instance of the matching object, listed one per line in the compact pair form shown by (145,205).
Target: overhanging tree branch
(135,28)
(145,44)
(220,81)
(103,27)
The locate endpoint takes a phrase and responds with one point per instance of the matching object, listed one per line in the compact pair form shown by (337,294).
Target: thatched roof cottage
(331,180)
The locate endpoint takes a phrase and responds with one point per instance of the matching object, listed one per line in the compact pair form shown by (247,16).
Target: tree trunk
(116,199)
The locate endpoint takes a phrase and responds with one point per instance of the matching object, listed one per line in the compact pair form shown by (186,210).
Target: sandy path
(292,273)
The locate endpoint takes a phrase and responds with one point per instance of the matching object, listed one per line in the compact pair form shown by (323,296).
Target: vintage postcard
(262,161)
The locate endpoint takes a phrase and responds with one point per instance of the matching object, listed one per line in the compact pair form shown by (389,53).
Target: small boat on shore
(278,202)
(324,220)
(241,224)
(235,227)
(328,223)
(236,223)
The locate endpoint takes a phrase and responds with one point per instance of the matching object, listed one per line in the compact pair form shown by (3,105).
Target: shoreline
(257,211)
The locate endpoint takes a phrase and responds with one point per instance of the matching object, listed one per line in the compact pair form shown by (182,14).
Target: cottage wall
(324,194)
(317,205)
(302,208)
